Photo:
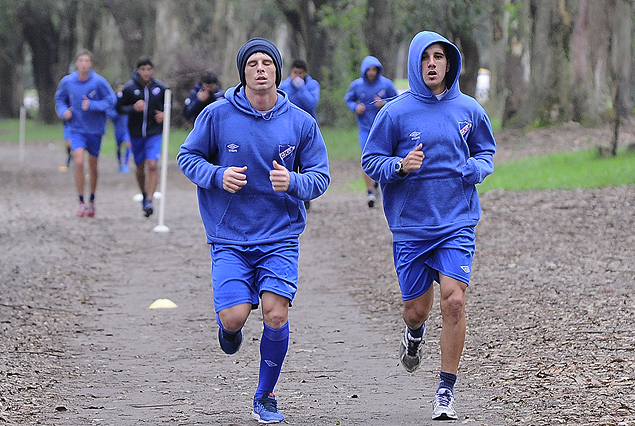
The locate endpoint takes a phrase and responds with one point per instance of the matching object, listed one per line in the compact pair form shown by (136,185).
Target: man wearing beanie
(255,158)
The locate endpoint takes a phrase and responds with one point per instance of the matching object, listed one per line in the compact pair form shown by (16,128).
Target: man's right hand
(360,109)
(234,179)
(413,160)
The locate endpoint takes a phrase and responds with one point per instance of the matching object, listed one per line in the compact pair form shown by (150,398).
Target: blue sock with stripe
(446,381)
(273,350)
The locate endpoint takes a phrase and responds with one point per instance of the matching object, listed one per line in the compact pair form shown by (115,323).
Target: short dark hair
(144,60)
(209,77)
(84,52)
(299,63)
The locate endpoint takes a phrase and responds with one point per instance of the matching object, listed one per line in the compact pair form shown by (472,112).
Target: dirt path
(549,311)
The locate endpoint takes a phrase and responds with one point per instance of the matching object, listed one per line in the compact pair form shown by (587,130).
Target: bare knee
(453,307)
(416,311)
(234,318)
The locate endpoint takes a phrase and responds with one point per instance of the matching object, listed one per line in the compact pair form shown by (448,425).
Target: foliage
(581,169)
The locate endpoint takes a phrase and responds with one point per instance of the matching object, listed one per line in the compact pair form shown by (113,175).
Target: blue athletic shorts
(363,137)
(146,148)
(241,273)
(91,143)
(418,263)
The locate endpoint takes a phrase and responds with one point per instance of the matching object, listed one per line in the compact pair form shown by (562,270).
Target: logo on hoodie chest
(464,127)
(285,150)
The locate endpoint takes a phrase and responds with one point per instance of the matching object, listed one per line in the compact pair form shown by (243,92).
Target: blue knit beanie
(259,45)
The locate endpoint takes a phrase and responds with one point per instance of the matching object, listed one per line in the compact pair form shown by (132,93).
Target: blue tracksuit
(306,96)
(71,93)
(363,91)
(229,132)
(458,145)
(142,124)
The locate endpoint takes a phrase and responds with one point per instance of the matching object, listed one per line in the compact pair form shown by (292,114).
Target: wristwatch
(399,168)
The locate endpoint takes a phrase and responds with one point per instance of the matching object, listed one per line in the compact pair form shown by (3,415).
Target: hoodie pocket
(254,217)
(434,203)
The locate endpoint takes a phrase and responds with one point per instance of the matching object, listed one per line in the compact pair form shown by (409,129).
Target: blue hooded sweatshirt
(229,132)
(70,94)
(458,145)
(364,91)
(306,96)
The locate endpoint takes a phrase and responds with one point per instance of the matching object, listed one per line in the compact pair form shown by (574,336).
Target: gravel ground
(550,308)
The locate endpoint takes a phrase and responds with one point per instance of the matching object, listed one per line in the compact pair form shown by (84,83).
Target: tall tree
(136,23)
(48,26)
(11,61)
(379,30)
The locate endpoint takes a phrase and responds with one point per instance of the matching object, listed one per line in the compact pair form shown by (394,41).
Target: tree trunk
(136,22)
(380,37)
(471,64)
(50,35)
(582,81)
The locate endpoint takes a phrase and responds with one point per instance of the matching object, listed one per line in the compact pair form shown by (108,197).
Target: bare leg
(453,331)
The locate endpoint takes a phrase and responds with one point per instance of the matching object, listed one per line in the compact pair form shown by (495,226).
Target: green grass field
(581,169)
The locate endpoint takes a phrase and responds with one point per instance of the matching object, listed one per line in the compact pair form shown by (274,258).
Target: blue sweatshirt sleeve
(351,96)
(194,157)
(482,146)
(378,156)
(61,99)
(312,177)
(107,100)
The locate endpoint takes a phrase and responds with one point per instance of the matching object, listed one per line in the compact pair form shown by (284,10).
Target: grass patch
(566,170)
(342,144)
(36,131)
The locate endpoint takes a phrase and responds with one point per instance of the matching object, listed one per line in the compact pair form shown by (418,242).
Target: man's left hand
(279,177)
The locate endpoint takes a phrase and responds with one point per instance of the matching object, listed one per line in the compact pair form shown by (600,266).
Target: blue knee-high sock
(273,349)
(127,155)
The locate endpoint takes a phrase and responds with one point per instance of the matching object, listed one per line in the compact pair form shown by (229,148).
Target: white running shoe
(443,407)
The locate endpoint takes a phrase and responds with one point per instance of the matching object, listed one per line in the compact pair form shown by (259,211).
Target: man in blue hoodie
(255,158)
(142,100)
(365,97)
(83,99)
(428,149)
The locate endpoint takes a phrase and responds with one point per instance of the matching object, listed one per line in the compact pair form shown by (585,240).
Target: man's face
(371,73)
(145,73)
(298,72)
(83,64)
(434,67)
(260,72)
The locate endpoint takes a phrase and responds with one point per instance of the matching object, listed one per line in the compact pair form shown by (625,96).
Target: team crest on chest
(285,150)
(464,127)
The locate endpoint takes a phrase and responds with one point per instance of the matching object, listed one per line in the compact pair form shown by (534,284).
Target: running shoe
(81,210)
(443,407)
(411,351)
(148,209)
(266,410)
(90,211)
(124,168)
(229,346)
(371,200)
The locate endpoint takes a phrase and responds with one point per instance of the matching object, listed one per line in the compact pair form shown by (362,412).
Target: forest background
(550,61)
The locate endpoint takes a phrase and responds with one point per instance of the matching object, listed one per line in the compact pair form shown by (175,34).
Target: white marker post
(167,108)
(22,134)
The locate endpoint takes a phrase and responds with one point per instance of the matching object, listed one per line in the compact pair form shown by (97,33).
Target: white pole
(167,108)
(22,133)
